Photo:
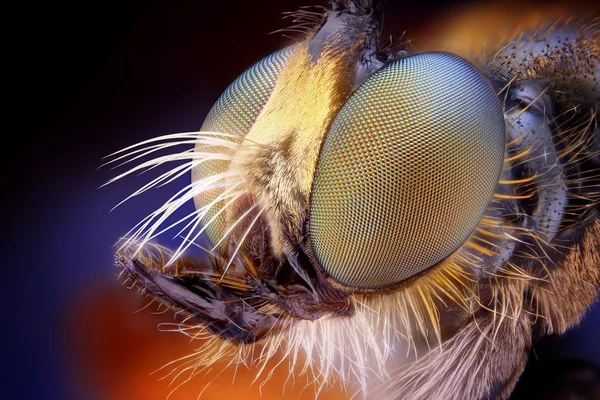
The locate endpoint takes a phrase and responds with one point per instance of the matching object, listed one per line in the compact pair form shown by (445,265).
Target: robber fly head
(363,203)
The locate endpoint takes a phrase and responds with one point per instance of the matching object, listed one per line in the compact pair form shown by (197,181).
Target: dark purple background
(94,77)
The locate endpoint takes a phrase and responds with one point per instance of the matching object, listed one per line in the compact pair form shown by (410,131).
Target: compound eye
(406,171)
(234,113)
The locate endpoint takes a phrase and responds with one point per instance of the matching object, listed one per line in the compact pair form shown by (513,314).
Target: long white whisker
(234,196)
(171,205)
(153,183)
(186,242)
(232,227)
(241,242)
(192,165)
(191,215)
(219,142)
(207,142)
(142,225)
(173,136)
(205,209)
(147,164)
(196,159)
(200,183)
(186,155)
(214,217)
(178,175)
(195,137)
(145,152)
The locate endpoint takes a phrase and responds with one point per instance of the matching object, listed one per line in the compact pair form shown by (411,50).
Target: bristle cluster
(229,184)
(305,21)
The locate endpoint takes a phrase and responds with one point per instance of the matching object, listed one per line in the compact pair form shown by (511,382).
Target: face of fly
(363,204)
(252,191)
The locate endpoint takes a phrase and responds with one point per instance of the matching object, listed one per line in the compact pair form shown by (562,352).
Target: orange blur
(113,353)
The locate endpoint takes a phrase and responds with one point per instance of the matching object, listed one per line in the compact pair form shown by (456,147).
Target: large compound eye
(234,113)
(406,171)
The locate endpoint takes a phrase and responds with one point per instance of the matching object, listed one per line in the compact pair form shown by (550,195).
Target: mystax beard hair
(394,223)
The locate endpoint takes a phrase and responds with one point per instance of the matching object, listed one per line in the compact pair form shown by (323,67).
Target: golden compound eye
(234,113)
(406,171)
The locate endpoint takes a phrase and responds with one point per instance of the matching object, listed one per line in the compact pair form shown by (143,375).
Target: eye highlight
(234,113)
(406,171)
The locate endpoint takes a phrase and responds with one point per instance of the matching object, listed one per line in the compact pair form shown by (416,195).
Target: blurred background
(94,77)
